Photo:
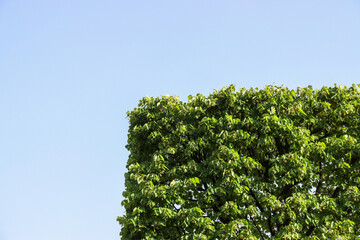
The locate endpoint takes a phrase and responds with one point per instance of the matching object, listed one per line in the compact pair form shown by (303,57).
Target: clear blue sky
(70,69)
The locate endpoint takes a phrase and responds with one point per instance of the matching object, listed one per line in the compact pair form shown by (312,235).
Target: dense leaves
(272,163)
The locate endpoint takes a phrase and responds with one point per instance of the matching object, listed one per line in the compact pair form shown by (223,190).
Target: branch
(252,220)
(256,201)
(311,229)
(287,190)
(282,148)
(336,192)
(270,226)
(216,209)
(320,180)
(354,159)
(262,237)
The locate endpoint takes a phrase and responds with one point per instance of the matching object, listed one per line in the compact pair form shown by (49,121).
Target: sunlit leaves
(249,164)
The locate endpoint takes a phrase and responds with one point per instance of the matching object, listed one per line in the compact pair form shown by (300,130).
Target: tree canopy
(271,163)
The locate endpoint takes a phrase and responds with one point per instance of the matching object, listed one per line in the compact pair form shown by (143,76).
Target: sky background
(70,69)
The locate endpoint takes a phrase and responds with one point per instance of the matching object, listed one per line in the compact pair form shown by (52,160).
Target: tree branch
(336,192)
(310,230)
(270,226)
(287,190)
(256,201)
(262,237)
(354,159)
(252,220)
(281,147)
(317,192)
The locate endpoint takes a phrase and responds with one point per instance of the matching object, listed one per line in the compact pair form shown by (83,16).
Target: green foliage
(272,163)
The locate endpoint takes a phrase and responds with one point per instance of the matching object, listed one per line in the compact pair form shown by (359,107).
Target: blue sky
(70,69)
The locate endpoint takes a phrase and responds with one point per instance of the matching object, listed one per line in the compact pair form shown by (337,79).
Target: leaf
(254,164)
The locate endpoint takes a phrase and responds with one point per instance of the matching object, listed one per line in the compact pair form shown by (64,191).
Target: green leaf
(270,163)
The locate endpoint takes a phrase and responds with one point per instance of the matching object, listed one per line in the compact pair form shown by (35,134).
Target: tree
(262,164)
